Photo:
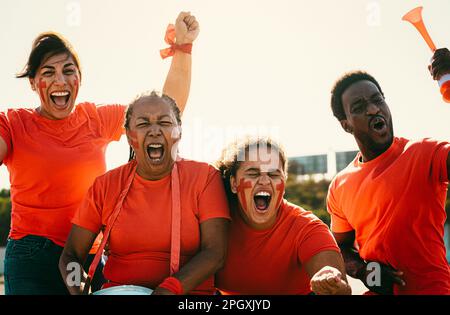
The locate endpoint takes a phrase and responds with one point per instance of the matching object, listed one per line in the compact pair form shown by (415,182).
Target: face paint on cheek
(280,188)
(42,85)
(132,136)
(243,185)
(75,92)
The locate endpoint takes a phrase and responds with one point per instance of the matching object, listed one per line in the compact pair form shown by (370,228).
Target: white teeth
(263,193)
(60,93)
(155,146)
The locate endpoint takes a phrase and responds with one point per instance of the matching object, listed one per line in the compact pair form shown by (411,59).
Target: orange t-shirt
(139,242)
(272,261)
(395,204)
(52,163)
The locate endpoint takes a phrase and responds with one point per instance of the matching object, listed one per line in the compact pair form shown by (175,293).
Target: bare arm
(3,149)
(327,273)
(73,257)
(178,81)
(208,260)
(357,268)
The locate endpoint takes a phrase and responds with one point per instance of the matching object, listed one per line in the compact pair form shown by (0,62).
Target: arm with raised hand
(178,81)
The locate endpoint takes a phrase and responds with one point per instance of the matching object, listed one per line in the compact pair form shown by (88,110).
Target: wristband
(173,285)
(170,39)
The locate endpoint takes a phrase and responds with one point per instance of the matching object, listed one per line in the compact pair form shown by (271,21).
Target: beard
(376,148)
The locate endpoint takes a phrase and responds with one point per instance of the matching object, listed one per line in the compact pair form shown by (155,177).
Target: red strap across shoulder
(176,222)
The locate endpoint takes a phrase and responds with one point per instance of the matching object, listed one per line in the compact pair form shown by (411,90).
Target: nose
(154,130)
(264,179)
(60,78)
(372,108)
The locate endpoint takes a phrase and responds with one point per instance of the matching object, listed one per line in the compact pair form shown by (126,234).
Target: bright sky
(263,67)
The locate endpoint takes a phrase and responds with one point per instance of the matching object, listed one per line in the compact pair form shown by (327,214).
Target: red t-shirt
(272,261)
(139,242)
(395,204)
(52,163)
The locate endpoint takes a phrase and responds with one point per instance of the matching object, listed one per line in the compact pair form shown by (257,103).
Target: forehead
(59,59)
(359,89)
(152,107)
(263,158)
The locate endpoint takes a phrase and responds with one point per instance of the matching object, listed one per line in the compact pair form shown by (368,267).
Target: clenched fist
(329,280)
(186,28)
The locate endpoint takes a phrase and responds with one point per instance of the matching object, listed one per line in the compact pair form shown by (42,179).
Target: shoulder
(115,176)
(422,144)
(92,108)
(14,113)
(196,168)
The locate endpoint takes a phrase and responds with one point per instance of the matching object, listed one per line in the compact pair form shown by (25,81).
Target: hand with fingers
(440,63)
(329,281)
(388,277)
(186,28)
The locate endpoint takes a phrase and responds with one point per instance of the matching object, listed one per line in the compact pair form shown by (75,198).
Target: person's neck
(256,226)
(368,154)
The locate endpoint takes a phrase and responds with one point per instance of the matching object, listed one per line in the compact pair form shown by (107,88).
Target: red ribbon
(170,39)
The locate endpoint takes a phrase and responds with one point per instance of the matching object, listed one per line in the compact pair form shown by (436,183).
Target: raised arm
(178,81)
(73,257)
(357,268)
(208,260)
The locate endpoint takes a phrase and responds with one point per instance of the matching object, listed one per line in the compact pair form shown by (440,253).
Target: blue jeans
(31,267)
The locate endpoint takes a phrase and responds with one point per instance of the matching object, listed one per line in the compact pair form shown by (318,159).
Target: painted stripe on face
(243,185)
(42,85)
(76,90)
(132,136)
(280,188)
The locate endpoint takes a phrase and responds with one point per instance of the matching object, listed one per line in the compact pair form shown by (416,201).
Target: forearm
(355,266)
(71,269)
(199,268)
(178,81)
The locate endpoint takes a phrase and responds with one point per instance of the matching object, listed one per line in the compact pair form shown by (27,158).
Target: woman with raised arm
(55,151)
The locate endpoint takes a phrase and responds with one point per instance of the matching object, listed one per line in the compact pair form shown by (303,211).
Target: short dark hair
(46,45)
(342,84)
(232,155)
(155,95)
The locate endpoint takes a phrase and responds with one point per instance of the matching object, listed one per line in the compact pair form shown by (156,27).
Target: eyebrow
(52,67)
(159,117)
(359,99)
(255,169)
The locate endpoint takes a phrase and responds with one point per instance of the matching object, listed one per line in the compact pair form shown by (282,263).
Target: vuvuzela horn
(415,18)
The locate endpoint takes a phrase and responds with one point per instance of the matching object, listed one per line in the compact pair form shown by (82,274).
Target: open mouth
(262,200)
(155,152)
(378,124)
(60,99)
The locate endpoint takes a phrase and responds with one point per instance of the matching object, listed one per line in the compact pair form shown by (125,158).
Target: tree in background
(310,195)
